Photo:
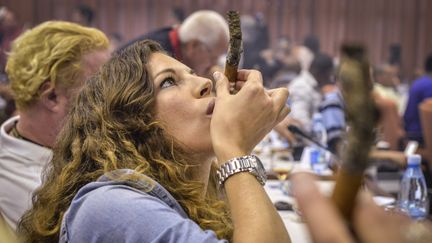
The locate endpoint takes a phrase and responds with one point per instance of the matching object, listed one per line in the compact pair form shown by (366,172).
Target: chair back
(425,109)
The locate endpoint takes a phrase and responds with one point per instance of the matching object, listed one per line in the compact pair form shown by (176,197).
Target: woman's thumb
(222,84)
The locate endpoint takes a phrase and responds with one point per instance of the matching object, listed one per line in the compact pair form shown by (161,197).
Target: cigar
(362,116)
(235,48)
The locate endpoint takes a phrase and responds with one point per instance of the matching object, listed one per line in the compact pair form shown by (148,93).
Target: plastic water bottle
(413,198)
(318,154)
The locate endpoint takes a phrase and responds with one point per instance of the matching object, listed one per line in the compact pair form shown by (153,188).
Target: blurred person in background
(313,44)
(289,65)
(197,42)
(9,30)
(386,82)
(7,103)
(304,56)
(420,90)
(332,110)
(115,40)
(257,52)
(390,104)
(304,90)
(83,15)
(46,67)
(177,16)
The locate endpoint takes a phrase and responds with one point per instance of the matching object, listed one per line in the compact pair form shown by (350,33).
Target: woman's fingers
(243,76)
(279,97)
(253,80)
(249,76)
(283,113)
(222,84)
(322,218)
(239,85)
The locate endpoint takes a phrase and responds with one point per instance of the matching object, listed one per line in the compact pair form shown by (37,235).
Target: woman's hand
(240,121)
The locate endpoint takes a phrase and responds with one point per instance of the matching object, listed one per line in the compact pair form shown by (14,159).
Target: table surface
(296,228)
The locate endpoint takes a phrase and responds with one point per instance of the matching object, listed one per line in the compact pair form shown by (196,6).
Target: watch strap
(236,165)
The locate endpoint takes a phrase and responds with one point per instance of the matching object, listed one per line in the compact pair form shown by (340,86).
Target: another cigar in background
(235,48)
(362,116)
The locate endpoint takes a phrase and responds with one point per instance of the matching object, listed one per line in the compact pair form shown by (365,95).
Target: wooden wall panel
(377,23)
(424,25)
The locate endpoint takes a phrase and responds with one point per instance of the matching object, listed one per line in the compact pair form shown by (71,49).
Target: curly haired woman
(138,156)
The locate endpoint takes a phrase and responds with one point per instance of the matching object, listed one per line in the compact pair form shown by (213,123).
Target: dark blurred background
(393,30)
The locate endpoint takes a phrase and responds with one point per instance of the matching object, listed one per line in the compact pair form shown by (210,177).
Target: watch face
(259,168)
(257,163)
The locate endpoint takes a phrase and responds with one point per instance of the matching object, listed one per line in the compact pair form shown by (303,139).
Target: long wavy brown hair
(112,126)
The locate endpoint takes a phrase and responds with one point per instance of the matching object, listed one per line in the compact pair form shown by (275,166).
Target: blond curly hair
(51,51)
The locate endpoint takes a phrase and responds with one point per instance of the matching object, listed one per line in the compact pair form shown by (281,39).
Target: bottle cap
(414,159)
(317,116)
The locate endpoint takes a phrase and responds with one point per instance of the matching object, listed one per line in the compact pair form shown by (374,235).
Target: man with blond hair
(198,42)
(46,66)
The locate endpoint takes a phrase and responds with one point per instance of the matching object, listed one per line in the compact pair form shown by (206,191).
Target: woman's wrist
(226,154)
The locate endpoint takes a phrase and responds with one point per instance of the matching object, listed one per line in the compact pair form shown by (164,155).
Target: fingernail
(216,75)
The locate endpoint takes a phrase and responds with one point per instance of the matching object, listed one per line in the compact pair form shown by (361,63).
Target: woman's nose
(204,88)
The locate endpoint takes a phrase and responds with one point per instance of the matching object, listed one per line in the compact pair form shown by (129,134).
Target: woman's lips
(210,107)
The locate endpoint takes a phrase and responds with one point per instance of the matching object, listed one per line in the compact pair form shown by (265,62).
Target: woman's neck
(201,171)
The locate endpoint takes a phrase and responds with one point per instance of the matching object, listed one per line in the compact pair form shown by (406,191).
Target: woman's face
(184,103)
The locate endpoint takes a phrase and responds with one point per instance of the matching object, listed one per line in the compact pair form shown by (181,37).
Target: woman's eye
(167,82)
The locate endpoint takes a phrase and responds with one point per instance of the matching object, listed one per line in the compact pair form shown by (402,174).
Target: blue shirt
(420,90)
(332,111)
(333,114)
(116,211)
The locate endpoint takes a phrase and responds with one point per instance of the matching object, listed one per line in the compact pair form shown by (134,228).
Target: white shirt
(304,99)
(21,165)
(399,99)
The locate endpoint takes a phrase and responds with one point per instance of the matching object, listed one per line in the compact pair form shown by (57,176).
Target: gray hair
(205,25)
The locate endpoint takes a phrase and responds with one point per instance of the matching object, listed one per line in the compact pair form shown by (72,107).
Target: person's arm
(300,105)
(282,129)
(239,122)
(371,223)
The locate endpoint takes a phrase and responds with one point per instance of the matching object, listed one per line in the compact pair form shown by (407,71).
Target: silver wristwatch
(249,163)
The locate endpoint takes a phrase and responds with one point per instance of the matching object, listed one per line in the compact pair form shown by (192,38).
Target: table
(297,229)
